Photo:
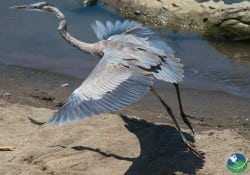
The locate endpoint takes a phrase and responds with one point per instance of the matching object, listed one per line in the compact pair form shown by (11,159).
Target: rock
(88,3)
(137,12)
(211,19)
(6,94)
(65,85)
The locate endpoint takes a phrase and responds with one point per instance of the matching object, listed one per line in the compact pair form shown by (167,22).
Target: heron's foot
(191,147)
(35,121)
(186,121)
(188,116)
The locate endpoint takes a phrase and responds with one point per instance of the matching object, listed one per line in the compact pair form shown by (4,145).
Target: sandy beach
(138,140)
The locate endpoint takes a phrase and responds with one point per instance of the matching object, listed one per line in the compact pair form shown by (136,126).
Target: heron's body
(129,63)
(131,57)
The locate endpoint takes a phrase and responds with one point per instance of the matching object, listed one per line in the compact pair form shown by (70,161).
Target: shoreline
(144,136)
(43,90)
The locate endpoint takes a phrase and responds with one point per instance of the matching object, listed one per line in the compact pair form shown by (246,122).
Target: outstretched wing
(170,69)
(109,87)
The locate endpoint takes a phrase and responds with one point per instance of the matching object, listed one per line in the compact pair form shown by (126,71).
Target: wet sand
(142,140)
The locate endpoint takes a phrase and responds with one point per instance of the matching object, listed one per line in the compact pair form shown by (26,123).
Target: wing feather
(171,70)
(109,87)
(103,32)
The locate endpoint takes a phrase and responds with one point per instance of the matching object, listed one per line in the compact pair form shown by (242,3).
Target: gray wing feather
(103,32)
(171,71)
(156,52)
(137,31)
(109,87)
(163,64)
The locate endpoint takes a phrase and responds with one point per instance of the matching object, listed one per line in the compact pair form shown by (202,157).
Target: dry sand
(143,142)
(110,144)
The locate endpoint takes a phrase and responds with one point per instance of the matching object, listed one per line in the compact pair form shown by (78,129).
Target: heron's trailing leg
(183,115)
(188,144)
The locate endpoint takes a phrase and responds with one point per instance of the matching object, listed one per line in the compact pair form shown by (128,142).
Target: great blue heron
(131,57)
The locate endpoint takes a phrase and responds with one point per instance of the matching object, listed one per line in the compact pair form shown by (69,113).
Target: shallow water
(30,39)
(217,65)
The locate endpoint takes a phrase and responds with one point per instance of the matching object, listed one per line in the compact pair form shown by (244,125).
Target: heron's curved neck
(62,28)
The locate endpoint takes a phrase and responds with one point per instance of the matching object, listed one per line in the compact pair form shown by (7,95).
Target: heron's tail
(171,71)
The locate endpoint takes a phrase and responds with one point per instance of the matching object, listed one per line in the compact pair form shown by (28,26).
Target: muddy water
(30,39)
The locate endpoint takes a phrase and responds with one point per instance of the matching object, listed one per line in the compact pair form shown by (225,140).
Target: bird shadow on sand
(162,150)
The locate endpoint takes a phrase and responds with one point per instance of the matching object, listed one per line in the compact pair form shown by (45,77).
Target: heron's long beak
(25,7)
(20,7)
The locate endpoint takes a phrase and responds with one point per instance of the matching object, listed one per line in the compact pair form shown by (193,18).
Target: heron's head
(39,6)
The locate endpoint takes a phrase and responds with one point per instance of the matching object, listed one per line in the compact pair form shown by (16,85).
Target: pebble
(196,71)
(7,94)
(55,101)
(65,85)
(88,3)
(137,12)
